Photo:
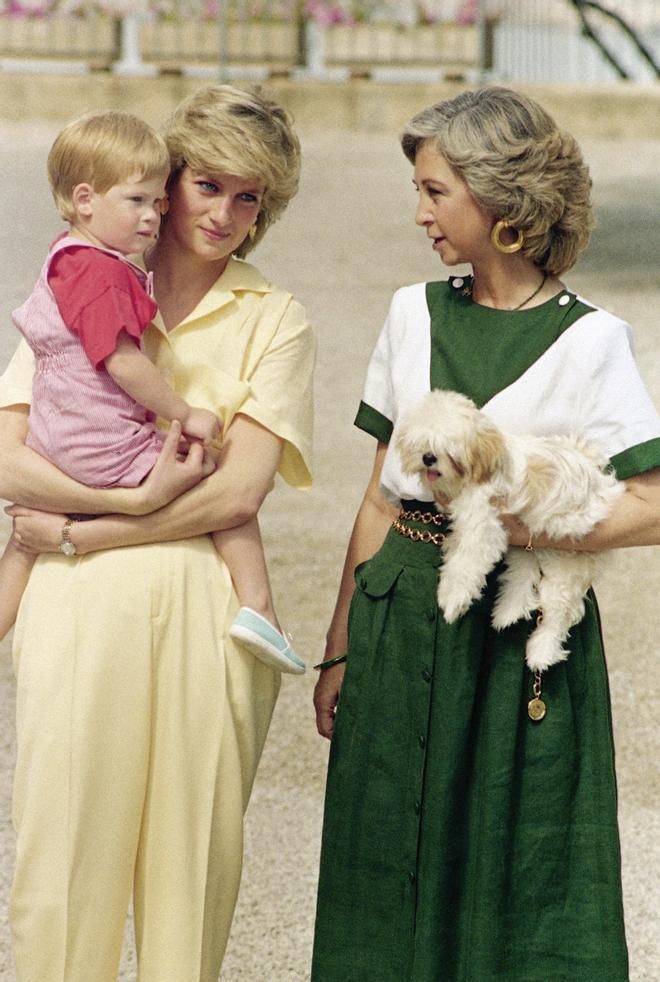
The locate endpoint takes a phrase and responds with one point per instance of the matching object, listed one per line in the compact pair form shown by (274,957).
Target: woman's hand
(173,473)
(517,531)
(326,697)
(36,531)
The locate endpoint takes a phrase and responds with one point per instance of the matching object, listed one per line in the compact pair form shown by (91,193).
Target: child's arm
(15,569)
(139,377)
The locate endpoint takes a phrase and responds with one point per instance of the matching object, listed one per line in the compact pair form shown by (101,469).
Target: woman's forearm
(633,521)
(199,512)
(371,526)
(28,478)
(229,497)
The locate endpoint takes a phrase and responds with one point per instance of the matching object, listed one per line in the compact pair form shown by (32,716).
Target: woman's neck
(512,285)
(180,280)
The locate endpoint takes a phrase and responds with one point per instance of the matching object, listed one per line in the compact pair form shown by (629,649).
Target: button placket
(420,724)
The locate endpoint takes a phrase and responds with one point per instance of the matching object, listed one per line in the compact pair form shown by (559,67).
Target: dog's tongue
(432,475)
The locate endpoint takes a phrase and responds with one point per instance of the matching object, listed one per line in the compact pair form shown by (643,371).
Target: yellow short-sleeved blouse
(246,348)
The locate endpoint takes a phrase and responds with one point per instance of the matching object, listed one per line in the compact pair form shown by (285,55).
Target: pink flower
(327,14)
(28,8)
(468,12)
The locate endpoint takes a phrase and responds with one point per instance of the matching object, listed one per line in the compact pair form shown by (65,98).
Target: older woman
(465,838)
(140,726)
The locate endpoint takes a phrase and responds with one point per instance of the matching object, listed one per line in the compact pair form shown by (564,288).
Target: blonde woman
(84,321)
(465,837)
(140,723)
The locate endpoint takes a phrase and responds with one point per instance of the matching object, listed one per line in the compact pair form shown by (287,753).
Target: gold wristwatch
(66,545)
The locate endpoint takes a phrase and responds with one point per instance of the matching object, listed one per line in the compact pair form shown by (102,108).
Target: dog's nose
(429,459)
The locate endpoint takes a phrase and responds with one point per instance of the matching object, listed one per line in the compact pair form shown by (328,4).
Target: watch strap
(66,545)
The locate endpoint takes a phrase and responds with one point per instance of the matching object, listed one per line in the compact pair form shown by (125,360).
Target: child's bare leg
(242,550)
(15,569)
(255,626)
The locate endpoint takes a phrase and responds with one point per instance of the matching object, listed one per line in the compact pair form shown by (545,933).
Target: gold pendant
(536,709)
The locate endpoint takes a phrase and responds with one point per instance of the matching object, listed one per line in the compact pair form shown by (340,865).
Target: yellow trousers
(140,727)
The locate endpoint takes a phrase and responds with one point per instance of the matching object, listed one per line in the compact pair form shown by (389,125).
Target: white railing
(545,41)
(531,40)
(319,38)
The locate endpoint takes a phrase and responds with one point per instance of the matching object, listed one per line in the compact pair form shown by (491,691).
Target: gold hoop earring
(504,246)
(252,233)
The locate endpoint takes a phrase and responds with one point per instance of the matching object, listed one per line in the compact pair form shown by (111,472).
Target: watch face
(68,548)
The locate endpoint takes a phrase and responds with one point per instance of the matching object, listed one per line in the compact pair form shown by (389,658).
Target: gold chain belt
(420,535)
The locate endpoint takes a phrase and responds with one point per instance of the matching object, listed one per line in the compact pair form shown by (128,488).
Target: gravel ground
(346,243)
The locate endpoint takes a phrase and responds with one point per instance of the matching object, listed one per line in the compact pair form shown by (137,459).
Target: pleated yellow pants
(140,727)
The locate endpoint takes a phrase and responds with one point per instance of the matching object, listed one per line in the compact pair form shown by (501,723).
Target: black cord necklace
(468,293)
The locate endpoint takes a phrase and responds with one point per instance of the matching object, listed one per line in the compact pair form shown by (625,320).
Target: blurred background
(521,40)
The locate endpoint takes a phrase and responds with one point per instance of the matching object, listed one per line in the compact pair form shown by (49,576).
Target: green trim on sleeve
(637,460)
(374,423)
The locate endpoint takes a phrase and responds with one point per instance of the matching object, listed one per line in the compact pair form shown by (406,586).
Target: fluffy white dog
(557,485)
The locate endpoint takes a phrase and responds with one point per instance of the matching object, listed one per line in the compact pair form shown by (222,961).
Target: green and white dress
(462,841)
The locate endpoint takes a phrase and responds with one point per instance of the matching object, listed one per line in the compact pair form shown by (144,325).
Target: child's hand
(202,425)
(173,473)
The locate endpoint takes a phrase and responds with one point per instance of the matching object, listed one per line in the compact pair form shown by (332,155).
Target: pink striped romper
(80,419)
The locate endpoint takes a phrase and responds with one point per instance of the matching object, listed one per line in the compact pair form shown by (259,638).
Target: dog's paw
(543,651)
(513,605)
(509,611)
(453,600)
(517,592)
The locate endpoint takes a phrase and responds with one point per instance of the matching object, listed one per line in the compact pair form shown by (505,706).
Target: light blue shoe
(265,642)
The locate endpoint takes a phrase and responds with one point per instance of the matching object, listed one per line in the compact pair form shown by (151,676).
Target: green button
(422,742)
(418,806)
(411,876)
(426,675)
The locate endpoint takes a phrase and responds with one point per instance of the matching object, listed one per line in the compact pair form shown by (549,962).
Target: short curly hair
(225,129)
(517,164)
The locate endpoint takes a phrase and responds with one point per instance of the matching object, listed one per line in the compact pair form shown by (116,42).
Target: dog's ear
(456,464)
(485,453)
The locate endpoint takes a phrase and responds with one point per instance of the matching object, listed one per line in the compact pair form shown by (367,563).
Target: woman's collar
(241,275)
(238,276)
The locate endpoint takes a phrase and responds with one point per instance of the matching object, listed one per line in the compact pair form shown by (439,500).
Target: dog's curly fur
(558,486)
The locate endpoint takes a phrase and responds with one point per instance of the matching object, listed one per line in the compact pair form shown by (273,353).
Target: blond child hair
(103,149)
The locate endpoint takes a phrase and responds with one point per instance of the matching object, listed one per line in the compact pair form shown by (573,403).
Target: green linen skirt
(462,840)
